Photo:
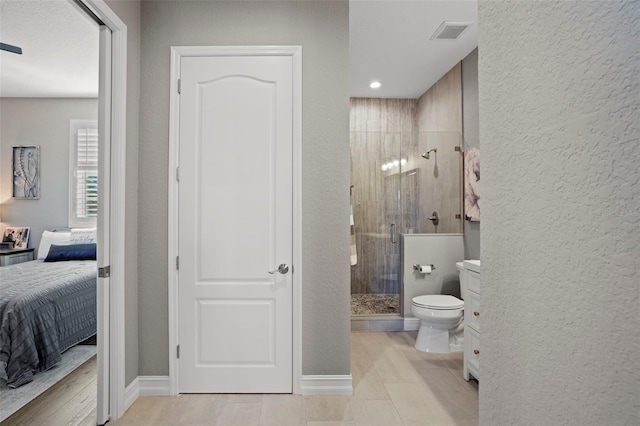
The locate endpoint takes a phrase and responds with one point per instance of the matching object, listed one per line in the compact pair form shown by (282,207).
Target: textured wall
(322,30)
(44,122)
(129,12)
(560,134)
(471,137)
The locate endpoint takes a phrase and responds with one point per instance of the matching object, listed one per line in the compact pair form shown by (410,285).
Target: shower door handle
(394,235)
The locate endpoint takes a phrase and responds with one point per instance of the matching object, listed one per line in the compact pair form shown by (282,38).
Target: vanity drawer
(474,351)
(473,281)
(472,310)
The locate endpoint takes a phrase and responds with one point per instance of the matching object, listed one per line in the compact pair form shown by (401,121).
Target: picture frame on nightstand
(16,235)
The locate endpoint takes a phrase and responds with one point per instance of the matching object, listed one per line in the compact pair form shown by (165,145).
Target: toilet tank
(442,251)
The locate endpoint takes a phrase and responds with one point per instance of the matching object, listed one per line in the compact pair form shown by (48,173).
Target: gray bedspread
(45,308)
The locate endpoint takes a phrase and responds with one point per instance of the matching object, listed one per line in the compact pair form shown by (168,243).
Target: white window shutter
(83,209)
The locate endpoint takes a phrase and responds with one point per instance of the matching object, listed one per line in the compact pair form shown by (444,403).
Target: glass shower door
(400,182)
(376,176)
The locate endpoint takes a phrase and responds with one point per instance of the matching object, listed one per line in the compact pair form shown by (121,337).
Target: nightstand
(11,257)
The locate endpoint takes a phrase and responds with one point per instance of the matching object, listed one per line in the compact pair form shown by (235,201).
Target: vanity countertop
(473,265)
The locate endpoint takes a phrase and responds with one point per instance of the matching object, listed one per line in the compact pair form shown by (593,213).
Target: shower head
(426,154)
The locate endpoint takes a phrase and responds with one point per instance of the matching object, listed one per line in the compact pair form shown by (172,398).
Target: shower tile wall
(439,117)
(377,129)
(439,188)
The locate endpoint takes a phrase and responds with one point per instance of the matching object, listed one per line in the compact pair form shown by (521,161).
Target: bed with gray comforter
(45,308)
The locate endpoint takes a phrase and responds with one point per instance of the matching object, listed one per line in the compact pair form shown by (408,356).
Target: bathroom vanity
(471,366)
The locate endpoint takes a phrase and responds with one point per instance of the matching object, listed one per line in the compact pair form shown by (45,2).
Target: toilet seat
(438,302)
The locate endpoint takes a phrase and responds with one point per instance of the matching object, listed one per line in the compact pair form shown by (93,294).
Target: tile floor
(394,384)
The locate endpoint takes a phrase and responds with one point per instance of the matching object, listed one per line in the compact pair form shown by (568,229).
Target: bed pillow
(59,253)
(83,235)
(49,238)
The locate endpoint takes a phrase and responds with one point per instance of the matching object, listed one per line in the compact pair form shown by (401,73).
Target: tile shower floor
(393,385)
(375,304)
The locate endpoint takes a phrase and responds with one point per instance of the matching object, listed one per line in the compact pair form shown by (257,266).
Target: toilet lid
(438,301)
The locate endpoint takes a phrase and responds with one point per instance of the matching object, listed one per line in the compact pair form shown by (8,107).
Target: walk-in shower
(395,190)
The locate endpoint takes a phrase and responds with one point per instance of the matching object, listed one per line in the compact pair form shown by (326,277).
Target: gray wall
(560,136)
(439,250)
(129,12)
(44,122)
(471,136)
(322,30)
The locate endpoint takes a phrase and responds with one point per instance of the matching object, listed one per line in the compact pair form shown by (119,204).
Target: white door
(104,196)
(235,224)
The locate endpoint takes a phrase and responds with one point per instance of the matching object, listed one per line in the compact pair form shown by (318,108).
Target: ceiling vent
(450,30)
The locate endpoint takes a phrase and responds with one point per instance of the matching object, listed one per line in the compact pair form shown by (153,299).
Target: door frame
(111,306)
(177,53)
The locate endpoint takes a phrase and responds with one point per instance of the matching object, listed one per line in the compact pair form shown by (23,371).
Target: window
(83,176)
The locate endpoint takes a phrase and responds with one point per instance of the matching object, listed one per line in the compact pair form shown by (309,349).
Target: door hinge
(179,86)
(104,272)
(178,174)
(177,262)
(178,351)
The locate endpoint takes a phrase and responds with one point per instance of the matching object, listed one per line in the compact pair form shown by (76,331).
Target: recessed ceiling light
(375,84)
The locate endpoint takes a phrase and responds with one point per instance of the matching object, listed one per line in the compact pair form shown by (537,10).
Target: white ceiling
(389,42)
(59,50)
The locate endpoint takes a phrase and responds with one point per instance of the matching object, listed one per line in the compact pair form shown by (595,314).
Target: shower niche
(399,180)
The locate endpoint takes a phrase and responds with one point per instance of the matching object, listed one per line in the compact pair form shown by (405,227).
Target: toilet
(441,321)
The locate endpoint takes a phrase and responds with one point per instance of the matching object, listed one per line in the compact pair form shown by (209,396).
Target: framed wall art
(26,172)
(472,184)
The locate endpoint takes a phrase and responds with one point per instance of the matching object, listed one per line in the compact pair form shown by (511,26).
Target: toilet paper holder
(416,267)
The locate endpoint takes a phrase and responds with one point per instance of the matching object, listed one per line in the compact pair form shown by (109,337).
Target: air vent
(450,30)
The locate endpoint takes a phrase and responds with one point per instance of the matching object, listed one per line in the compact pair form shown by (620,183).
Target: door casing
(111,306)
(177,53)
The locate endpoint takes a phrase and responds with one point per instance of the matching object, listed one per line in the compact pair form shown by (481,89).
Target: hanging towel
(354,252)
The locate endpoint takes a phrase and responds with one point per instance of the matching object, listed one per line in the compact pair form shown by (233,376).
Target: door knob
(283,269)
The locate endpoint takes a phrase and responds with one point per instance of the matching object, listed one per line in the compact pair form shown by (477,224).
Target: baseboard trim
(310,385)
(411,323)
(154,385)
(131,393)
(327,385)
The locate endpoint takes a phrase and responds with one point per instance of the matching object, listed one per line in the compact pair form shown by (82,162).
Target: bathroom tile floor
(394,384)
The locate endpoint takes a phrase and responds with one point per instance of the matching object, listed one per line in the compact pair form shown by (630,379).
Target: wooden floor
(71,401)
(394,384)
